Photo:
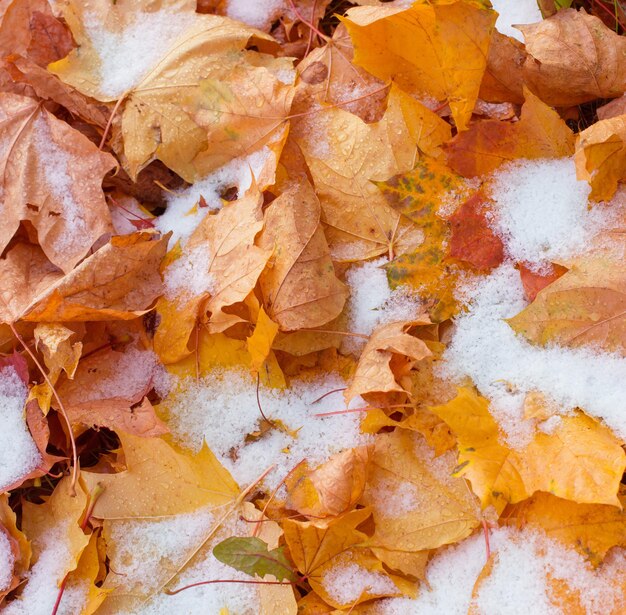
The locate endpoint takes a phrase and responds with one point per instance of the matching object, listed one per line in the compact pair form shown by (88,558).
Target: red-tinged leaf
(472,239)
(18,363)
(533,281)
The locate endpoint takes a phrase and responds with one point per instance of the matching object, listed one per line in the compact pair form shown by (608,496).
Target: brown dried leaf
(52,177)
(374,373)
(300,289)
(573,58)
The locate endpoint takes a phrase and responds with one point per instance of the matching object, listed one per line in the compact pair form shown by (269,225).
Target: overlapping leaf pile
(302,154)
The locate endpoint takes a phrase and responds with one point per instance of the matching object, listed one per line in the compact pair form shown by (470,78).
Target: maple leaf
(191,96)
(415,520)
(591,528)
(503,79)
(472,240)
(52,176)
(540,133)
(300,288)
(359,223)
(417,195)
(440,50)
(573,58)
(583,307)
(184,483)
(581,460)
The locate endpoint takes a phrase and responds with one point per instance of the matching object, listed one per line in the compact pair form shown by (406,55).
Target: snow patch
(256,13)
(222,409)
(346,583)
(18,453)
(515,13)
(189,275)
(146,40)
(7,561)
(505,367)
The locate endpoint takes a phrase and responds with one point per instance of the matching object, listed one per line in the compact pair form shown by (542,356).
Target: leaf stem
(107,128)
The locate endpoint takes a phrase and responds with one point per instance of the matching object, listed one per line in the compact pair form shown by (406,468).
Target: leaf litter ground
(312,307)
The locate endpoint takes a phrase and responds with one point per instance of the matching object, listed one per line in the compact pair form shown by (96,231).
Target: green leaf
(252,556)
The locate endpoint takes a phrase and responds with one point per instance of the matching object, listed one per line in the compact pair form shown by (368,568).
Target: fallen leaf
(490,466)
(119,281)
(359,224)
(202,71)
(418,195)
(592,529)
(160,481)
(584,307)
(416,503)
(439,50)
(331,488)
(573,58)
(503,79)
(260,342)
(300,288)
(252,556)
(533,282)
(540,133)
(52,177)
(601,156)
(374,372)
(19,545)
(472,239)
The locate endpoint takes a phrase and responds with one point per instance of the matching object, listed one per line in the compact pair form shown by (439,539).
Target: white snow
(505,367)
(372,302)
(347,582)
(161,549)
(146,40)
(41,590)
(189,275)
(515,13)
(7,561)
(222,408)
(183,213)
(18,453)
(394,499)
(518,583)
(256,13)
(55,166)
(541,211)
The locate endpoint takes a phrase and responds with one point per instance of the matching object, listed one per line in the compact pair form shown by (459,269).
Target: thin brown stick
(105,134)
(64,414)
(173,592)
(364,409)
(327,394)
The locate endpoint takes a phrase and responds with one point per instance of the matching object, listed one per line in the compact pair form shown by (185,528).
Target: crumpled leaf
(389,347)
(584,307)
(472,239)
(540,133)
(438,50)
(203,73)
(52,176)
(333,487)
(601,156)
(592,529)
(415,502)
(359,223)
(573,58)
(160,481)
(118,282)
(252,556)
(299,286)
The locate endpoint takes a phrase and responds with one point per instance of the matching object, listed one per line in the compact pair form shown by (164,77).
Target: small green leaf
(252,556)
